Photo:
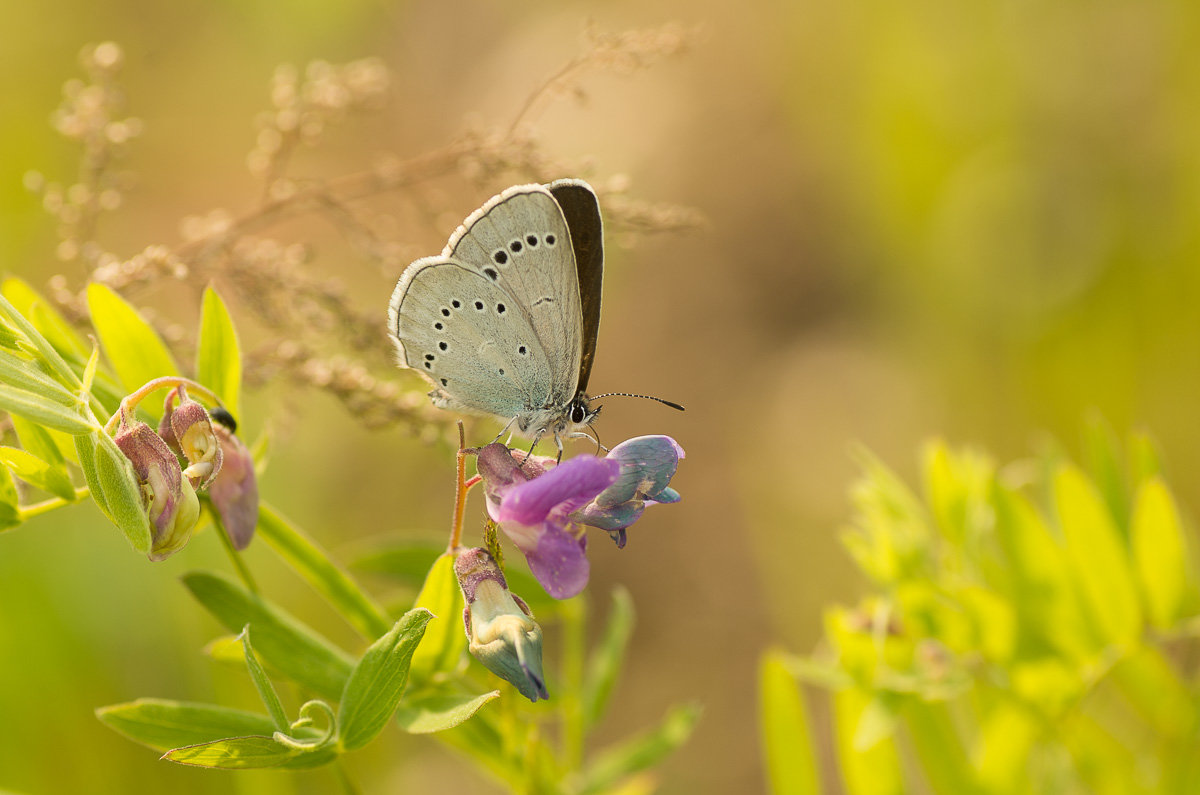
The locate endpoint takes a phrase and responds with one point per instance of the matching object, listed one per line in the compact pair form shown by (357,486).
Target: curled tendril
(305,721)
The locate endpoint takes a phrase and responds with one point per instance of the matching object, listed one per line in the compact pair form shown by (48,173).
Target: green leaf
(22,374)
(289,646)
(437,710)
(218,357)
(1105,462)
(940,748)
(46,445)
(114,487)
(791,766)
(39,473)
(1007,736)
(315,566)
(10,511)
(865,771)
(46,352)
(163,724)
(245,753)
(266,690)
(1145,459)
(134,349)
(374,688)
(605,664)
(45,319)
(1160,554)
(642,752)
(1050,613)
(445,639)
(37,408)
(1099,561)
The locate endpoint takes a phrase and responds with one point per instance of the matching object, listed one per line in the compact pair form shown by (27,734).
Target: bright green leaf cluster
(1013,609)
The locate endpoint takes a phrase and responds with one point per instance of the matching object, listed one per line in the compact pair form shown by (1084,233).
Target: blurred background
(927,218)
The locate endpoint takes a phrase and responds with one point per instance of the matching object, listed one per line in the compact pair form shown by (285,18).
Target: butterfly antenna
(673,405)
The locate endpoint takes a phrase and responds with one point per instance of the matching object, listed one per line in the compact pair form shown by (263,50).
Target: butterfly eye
(578,413)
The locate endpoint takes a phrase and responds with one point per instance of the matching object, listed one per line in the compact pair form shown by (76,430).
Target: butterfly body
(504,321)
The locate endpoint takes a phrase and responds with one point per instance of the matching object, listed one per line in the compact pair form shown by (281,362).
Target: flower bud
(501,632)
(169,499)
(234,491)
(187,427)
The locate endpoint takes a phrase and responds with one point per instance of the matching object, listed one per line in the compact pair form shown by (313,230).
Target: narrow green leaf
(1007,735)
(790,763)
(869,771)
(266,690)
(374,688)
(10,511)
(445,639)
(1145,460)
(39,473)
(605,664)
(218,357)
(940,749)
(1099,560)
(252,752)
(122,494)
(25,375)
(1050,613)
(1105,462)
(164,724)
(45,319)
(289,646)
(642,752)
(315,566)
(438,710)
(1154,688)
(42,443)
(134,349)
(52,359)
(1160,554)
(85,454)
(37,408)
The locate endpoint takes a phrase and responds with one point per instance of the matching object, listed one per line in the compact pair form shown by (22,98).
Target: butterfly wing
(581,209)
(520,241)
(466,334)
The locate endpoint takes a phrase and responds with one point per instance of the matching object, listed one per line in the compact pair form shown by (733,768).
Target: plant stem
(461,487)
(38,508)
(236,557)
(339,770)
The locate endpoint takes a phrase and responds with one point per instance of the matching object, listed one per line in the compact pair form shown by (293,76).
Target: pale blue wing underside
(466,334)
(520,241)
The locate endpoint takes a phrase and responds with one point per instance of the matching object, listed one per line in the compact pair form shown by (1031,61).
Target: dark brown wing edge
(582,211)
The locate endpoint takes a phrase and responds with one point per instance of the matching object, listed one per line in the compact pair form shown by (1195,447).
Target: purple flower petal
(563,489)
(559,562)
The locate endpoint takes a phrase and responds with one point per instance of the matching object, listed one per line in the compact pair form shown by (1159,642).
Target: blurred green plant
(1030,628)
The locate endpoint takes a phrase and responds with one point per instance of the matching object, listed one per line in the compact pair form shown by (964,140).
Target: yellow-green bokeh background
(928,217)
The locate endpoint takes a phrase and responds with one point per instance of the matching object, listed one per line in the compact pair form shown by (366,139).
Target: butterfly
(504,321)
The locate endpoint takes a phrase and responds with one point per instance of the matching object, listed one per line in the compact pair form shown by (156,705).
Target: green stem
(27,512)
(236,557)
(130,401)
(339,770)
(574,616)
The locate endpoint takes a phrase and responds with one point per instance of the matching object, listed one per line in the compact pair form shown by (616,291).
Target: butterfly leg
(558,444)
(504,430)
